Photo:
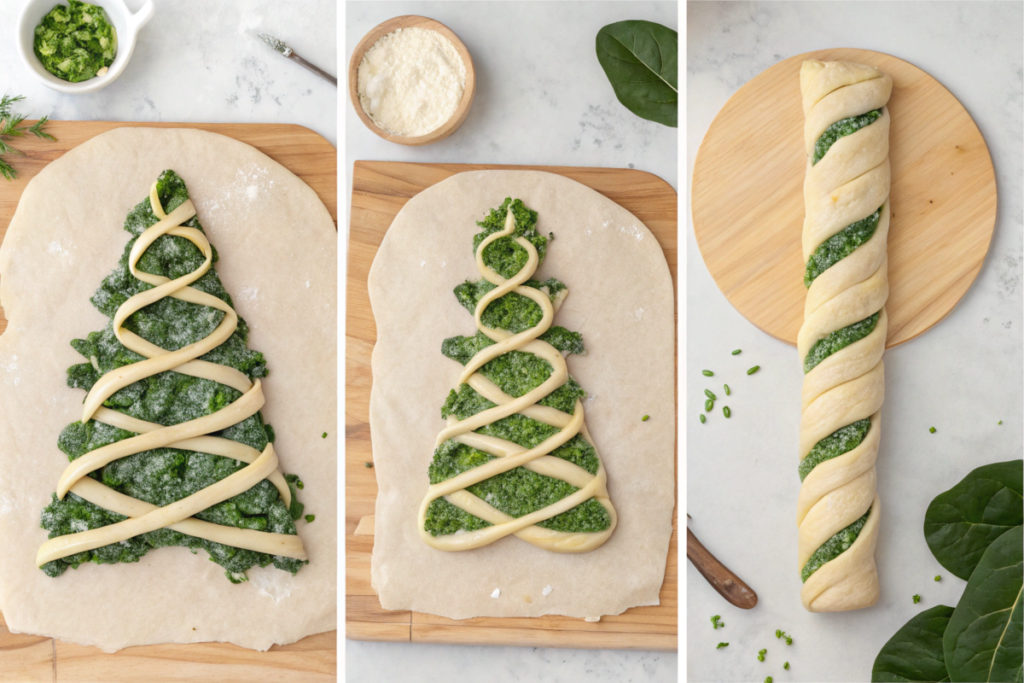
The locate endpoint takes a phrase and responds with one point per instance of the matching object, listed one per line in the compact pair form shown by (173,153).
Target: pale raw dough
(278,260)
(848,184)
(621,299)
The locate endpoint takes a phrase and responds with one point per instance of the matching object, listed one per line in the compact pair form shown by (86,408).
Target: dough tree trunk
(846,197)
(516,457)
(171,448)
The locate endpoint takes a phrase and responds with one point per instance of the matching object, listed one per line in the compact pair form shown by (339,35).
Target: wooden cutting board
(33,658)
(748,209)
(379,191)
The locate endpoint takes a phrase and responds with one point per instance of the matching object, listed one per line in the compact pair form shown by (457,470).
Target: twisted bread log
(846,196)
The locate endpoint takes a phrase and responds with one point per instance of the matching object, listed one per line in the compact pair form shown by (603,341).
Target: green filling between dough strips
(165,475)
(519,491)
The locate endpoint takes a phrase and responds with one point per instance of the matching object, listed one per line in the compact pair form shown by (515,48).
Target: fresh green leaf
(964,521)
(914,653)
(984,640)
(640,60)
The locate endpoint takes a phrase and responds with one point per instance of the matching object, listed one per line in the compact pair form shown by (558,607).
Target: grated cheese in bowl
(410,82)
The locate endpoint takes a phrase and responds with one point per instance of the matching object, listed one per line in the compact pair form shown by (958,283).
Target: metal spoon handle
(721,578)
(315,69)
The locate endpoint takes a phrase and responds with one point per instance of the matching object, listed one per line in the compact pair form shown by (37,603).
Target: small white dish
(126,23)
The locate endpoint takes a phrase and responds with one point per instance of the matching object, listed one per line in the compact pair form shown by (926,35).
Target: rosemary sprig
(10,127)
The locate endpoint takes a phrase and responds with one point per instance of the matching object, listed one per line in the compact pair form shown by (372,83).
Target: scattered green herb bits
(726,411)
(645,418)
(917,599)
(786,666)
(310,518)
(324,436)
(938,578)
(768,680)
(721,645)
(368,465)
(737,352)
(710,394)
(702,418)
(707,373)
(931,430)
(761,654)
(754,369)
(728,392)
(709,405)
(716,622)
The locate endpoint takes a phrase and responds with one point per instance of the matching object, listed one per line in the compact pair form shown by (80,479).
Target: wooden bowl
(412,21)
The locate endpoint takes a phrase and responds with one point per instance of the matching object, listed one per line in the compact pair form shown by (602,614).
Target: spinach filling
(839,246)
(838,340)
(833,547)
(164,475)
(504,255)
(841,441)
(519,491)
(842,128)
(74,42)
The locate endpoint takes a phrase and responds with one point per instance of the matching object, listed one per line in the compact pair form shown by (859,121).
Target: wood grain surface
(412,21)
(33,658)
(379,190)
(747,198)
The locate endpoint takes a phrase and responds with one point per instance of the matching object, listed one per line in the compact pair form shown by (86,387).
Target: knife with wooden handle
(721,578)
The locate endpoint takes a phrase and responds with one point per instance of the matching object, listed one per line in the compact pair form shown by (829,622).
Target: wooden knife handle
(730,586)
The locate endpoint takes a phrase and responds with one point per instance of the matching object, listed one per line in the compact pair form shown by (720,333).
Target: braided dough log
(621,299)
(65,238)
(846,185)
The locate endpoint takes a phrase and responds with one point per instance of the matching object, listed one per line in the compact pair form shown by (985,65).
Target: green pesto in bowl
(75,42)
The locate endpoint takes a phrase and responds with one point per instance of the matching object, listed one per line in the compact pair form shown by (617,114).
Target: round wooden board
(747,198)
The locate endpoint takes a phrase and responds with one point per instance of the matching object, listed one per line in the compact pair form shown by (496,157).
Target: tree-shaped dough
(516,457)
(171,449)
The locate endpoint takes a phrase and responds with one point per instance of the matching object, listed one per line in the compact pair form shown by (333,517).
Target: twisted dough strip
(509,455)
(846,184)
(192,435)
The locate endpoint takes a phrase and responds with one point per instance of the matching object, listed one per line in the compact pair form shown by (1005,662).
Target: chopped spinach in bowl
(76,42)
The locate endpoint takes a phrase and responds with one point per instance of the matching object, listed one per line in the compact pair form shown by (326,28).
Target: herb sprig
(10,127)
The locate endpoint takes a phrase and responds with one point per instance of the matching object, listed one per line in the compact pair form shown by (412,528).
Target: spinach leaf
(640,60)
(984,640)
(964,521)
(914,653)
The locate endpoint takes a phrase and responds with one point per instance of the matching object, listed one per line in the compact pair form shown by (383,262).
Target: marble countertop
(541,98)
(962,376)
(201,62)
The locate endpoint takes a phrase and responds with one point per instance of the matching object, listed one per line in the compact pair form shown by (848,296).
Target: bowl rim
(412,21)
(132,21)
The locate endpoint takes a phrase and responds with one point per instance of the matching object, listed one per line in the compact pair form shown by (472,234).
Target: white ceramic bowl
(123,20)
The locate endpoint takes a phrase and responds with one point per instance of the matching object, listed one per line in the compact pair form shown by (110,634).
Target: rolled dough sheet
(278,260)
(621,300)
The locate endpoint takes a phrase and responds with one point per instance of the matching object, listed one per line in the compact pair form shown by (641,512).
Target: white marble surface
(962,376)
(201,62)
(541,98)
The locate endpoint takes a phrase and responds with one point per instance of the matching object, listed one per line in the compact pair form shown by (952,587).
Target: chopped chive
(708,405)
(310,518)
(754,369)
(931,430)
(324,435)
(938,578)
(368,464)
(1000,422)
(727,390)
(917,599)
(721,645)
(645,418)
(710,394)
(786,666)
(737,352)
(702,418)
(726,411)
